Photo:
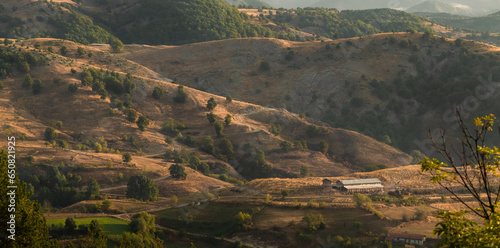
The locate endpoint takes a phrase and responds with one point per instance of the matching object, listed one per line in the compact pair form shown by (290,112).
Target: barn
(369,185)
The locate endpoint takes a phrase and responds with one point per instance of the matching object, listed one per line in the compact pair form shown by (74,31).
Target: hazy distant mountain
(433,6)
(473,7)
(254,3)
(345,4)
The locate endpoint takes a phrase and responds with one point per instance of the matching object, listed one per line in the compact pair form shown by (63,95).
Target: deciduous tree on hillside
(468,164)
(142,188)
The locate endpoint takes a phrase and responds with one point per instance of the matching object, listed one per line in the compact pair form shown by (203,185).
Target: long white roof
(365,186)
(361,181)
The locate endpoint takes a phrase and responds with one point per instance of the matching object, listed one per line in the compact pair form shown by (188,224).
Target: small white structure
(407,238)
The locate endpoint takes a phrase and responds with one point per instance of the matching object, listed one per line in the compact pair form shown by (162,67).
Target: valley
(198,124)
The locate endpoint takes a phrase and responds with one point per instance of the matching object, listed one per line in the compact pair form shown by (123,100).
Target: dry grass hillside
(373,84)
(87,116)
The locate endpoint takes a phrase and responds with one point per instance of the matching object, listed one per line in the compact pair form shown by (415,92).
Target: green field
(113,227)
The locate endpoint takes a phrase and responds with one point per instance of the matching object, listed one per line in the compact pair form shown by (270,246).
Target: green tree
(2,85)
(211,104)
(475,168)
(229,99)
(80,51)
(31,228)
(95,235)
(264,66)
(69,225)
(244,220)
(219,128)
(304,171)
(37,86)
(181,96)
(323,147)
(177,171)
(116,45)
(285,145)
(64,50)
(73,88)
(174,199)
(158,92)
(142,188)
(142,123)
(211,117)
(226,148)
(50,134)
(106,205)
(276,129)
(131,115)
(23,66)
(92,189)
(27,82)
(228,119)
(59,124)
(127,157)
(207,145)
(143,223)
(284,193)
(97,147)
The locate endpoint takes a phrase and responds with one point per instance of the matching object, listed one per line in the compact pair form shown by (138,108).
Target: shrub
(219,128)
(116,45)
(177,171)
(158,92)
(142,123)
(59,124)
(211,104)
(50,134)
(304,171)
(80,51)
(142,188)
(172,127)
(207,145)
(323,147)
(276,129)
(127,157)
(211,117)
(73,88)
(181,96)
(227,119)
(64,50)
(38,85)
(106,205)
(190,141)
(264,66)
(2,85)
(268,199)
(285,145)
(27,82)
(131,115)
(57,80)
(229,99)
(284,193)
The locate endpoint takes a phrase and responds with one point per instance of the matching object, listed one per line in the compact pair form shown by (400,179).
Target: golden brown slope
(84,112)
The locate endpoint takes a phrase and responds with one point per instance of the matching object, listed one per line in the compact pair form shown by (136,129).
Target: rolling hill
(342,82)
(251,124)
